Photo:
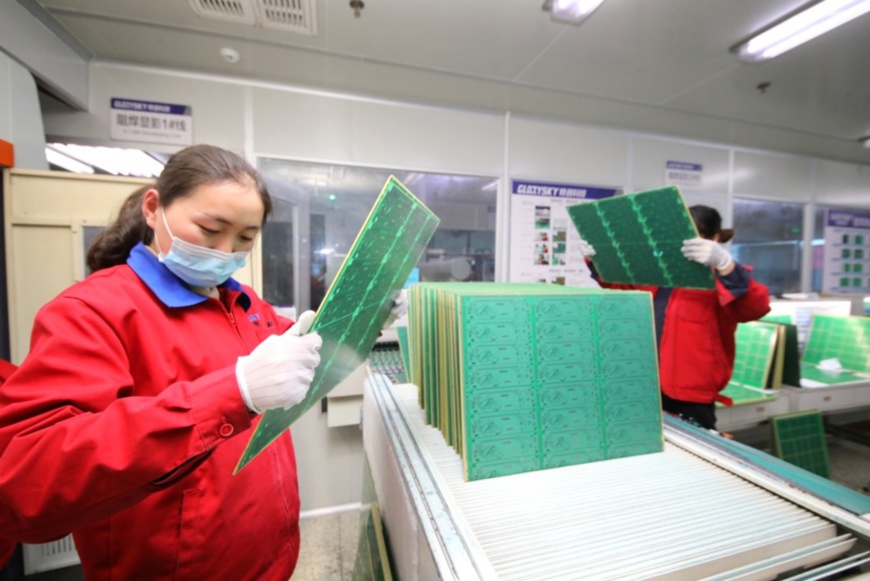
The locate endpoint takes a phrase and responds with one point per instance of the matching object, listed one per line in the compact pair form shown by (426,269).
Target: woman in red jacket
(125,421)
(695,328)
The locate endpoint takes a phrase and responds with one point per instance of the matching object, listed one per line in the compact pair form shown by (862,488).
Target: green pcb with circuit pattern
(522,377)
(799,438)
(755,347)
(841,337)
(638,239)
(359,300)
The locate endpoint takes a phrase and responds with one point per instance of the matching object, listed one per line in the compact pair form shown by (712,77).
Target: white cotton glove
(279,371)
(586,249)
(400,307)
(707,252)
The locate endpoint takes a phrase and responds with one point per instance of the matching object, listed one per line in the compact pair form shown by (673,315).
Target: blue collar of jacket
(170,289)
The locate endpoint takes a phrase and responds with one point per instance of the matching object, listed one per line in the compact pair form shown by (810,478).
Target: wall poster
(846,266)
(151,122)
(544,245)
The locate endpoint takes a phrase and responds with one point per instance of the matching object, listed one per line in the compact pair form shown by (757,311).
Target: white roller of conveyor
(670,515)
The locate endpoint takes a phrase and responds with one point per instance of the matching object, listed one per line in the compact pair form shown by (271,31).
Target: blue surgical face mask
(197,265)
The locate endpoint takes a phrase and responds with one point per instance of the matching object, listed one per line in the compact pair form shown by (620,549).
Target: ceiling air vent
(227,10)
(295,15)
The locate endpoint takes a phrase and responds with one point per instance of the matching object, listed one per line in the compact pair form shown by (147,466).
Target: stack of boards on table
(522,377)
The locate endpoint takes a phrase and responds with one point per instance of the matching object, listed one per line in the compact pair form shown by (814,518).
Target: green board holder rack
(638,239)
(356,306)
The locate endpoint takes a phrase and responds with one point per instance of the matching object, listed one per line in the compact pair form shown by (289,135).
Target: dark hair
(707,220)
(112,245)
(189,168)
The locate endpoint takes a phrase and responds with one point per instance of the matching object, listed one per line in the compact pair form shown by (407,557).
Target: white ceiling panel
(648,65)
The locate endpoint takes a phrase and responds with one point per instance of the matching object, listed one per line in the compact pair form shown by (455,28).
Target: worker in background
(695,328)
(124,423)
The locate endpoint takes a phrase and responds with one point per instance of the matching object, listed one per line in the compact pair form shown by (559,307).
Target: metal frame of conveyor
(446,536)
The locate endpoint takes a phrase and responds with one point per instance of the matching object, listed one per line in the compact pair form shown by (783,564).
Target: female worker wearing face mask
(125,422)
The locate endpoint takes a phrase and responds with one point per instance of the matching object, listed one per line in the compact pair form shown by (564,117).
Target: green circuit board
(522,377)
(402,332)
(799,438)
(372,562)
(843,337)
(755,344)
(358,302)
(755,348)
(791,360)
(638,239)
(741,394)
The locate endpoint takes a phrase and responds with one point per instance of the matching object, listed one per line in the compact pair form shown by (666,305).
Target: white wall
(20,117)
(29,41)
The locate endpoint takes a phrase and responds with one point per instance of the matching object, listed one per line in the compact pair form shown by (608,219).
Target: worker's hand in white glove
(279,371)
(400,307)
(707,252)
(586,249)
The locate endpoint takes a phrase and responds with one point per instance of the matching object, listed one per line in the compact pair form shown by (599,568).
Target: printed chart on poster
(846,267)
(545,246)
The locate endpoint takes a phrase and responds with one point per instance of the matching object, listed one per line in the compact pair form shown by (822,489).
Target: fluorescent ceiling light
(66,162)
(572,11)
(491,185)
(818,19)
(116,161)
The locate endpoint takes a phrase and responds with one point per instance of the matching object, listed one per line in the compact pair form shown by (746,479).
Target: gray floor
(329,543)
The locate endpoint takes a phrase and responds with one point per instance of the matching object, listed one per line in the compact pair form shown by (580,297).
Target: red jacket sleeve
(751,305)
(615,286)
(76,446)
(7,547)
(6,369)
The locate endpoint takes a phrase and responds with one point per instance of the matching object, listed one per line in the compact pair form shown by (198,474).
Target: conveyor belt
(670,515)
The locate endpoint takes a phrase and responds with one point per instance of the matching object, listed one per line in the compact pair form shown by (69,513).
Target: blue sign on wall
(524,188)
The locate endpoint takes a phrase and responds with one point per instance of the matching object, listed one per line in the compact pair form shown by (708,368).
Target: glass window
(89,233)
(320,208)
(769,237)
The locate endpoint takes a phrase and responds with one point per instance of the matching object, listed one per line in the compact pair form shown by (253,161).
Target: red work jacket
(696,356)
(7,546)
(696,349)
(123,426)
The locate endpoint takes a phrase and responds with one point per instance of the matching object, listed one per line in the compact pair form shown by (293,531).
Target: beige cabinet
(49,219)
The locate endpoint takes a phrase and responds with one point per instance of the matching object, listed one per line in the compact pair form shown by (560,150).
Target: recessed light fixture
(230,55)
(816,19)
(571,11)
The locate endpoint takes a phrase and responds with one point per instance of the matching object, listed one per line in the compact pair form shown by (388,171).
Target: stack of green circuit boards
(791,366)
(638,239)
(755,362)
(846,339)
(522,377)
(359,300)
